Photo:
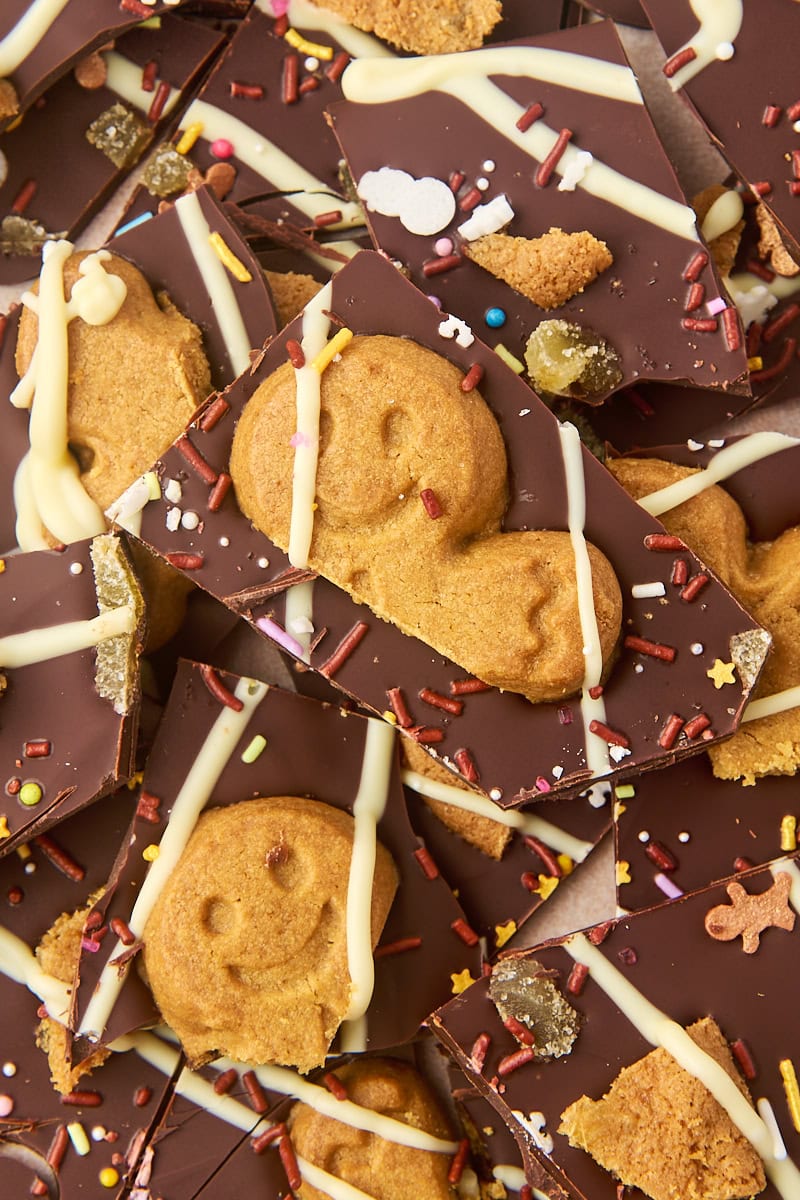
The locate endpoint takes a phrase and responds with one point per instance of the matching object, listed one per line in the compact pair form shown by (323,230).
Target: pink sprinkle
(542,785)
(280,8)
(670,889)
(565,716)
(443,246)
(436,301)
(6,1106)
(90,945)
(716,305)
(300,439)
(274,631)
(222,148)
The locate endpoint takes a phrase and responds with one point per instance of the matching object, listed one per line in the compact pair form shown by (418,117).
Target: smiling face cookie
(411,487)
(246,949)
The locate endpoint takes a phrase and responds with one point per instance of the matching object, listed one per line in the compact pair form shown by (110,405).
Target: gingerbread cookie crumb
(549,270)
(291,293)
(9,100)
(725,247)
(438,27)
(771,246)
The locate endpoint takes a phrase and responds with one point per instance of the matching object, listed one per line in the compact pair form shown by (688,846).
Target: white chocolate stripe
(303,15)
(299,612)
(23,38)
(720,22)
(216,280)
(447,793)
(308,194)
(367,82)
(727,462)
(768,706)
(308,381)
(513,1179)
(788,866)
(54,641)
(592,709)
(208,765)
(725,212)
(368,808)
(660,1030)
(328,1184)
(18,962)
(125,78)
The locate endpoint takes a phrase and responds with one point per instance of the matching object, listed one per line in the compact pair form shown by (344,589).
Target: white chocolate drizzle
(727,462)
(768,706)
(513,1178)
(125,78)
(208,765)
(723,215)
(308,194)
(720,23)
(23,37)
(592,709)
(660,1030)
(54,641)
(330,1185)
(217,282)
(18,962)
(299,615)
(447,793)
(303,15)
(788,866)
(466,76)
(308,380)
(368,808)
(48,492)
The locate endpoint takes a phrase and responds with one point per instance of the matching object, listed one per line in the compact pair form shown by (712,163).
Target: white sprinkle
(224,541)
(796,127)
(311,64)
(173,491)
(76,568)
(725,51)
(693,445)
(617,753)
(173,519)
(524,412)
(646,591)
(487,218)
(30,868)
(643,836)
(598,794)
(263,563)
(557,772)
(9,1069)
(496,793)
(684,837)
(489,165)
(716,443)
(482,184)
(696,648)
(454,327)
(190,520)
(574,173)
(423,206)
(301,625)
(98,1133)
(638,668)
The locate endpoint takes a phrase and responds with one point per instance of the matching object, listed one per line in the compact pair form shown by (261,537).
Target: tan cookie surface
(291,292)
(245,950)
(395,424)
(380,1168)
(489,836)
(434,27)
(724,248)
(549,270)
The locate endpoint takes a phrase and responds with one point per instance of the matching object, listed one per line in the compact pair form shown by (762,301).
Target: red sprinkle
(438,266)
(159,100)
(309,84)
(345,648)
(455,180)
(669,734)
(338,66)
(577,979)
(255,1092)
(459,1162)
(3,327)
(224,1082)
(479,1049)
(185,562)
(599,934)
(289,84)
(741,1052)
(777,368)
(526,1192)
(55,1157)
(653,649)
(296,355)
(596,691)
(445,703)
(13,786)
(427,735)
(694,587)
(695,267)
(794,187)
(472,378)
(218,690)
(15,895)
(135,8)
(430,503)
(742,864)
(731,328)
(82,1099)
(246,91)
(776,326)
(564,715)
(680,572)
(663,541)
(674,64)
(519,1031)
(429,867)
(700,324)
(796,163)
(468,687)
(398,947)
(149,72)
(609,735)
(551,863)
(762,188)
(328,218)
(281,25)
(793,111)
(216,410)
(545,172)
(147,807)
(142,1096)
(335,1086)
(37,749)
(195,460)
(628,956)
(638,401)
(218,492)
(260,1143)
(399,707)
(24,196)
(663,858)
(532,114)
(468,935)
(286,1151)
(471,199)
(122,930)
(59,857)
(466,765)
(772,114)
(695,727)
(756,267)
(697,294)
(512,1062)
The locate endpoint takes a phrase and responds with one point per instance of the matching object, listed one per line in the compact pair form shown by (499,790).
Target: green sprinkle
(30,794)
(508,358)
(625,791)
(255,748)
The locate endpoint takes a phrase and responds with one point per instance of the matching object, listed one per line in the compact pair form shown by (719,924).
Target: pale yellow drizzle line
(660,1030)
(299,611)
(125,78)
(23,38)
(788,866)
(724,213)
(725,463)
(54,641)
(303,15)
(308,380)
(768,706)
(466,76)
(720,23)
(18,962)
(208,765)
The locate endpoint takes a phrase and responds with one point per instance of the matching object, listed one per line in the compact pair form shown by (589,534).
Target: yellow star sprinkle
(503,932)
(461,981)
(566,864)
(721,673)
(4,830)
(623,872)
(619,809)
(547,885)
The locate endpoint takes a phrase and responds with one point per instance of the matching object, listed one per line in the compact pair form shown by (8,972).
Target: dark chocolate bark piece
(66,738)
(504,130)
(688,974)
(735,63)
(38,188)
(629,12)
(521,751)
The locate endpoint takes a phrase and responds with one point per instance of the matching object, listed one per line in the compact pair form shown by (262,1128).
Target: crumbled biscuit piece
(91,72)
(9,100)
(246,954)
(549,270)
(384,1170)
(488,836)
(771,246)
(291,293)
(725,247)
(435,27)
(395,423)
(659,1129)
(765,579)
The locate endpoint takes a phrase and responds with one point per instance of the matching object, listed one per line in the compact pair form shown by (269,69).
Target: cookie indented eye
(219,916)
(396,431)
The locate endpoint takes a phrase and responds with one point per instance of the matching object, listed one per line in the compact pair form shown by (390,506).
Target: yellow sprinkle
(619,809)
(226,256)
(547,885)
(256,747)
(77,1135)
(2,565)
(150,853)
(15,124)
(508,358)
(312,49)
(189,137)
(389,716)
(333,347)
(792,1091)
(721,673)
(135,781)
(625,791)
(24,851)
(566,864)
(789,832)
(755,364)
(4,830)
(153,486)
(150,23)
(623,872)
(109,1177)
(461,981)
(503,932)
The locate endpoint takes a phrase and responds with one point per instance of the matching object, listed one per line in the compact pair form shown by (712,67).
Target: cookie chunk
(411,487)
(438,27)
(245,950)
(549,270)
(382,1169)
(291,292)
(659,1129)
